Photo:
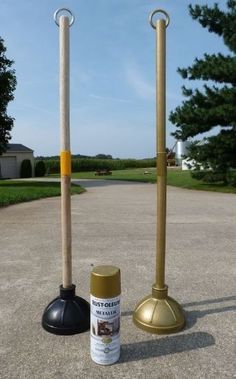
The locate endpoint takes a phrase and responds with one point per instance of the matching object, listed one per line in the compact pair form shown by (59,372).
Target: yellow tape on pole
(65,163)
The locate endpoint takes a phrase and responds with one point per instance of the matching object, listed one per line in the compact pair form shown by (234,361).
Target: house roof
(18,147)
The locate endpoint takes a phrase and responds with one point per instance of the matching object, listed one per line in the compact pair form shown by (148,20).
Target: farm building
(10,161)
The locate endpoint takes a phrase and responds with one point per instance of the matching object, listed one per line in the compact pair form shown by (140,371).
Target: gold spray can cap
(105,282)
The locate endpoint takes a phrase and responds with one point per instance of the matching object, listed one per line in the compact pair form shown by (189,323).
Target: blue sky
(112,72)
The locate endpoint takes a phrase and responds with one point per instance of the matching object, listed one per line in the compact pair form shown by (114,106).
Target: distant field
(12,192)
(175,177)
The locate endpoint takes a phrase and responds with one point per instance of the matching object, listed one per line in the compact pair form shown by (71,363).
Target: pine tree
(7,87)
(215,104)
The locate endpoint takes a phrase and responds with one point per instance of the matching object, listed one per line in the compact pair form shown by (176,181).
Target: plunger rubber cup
(158,313)
(67,314)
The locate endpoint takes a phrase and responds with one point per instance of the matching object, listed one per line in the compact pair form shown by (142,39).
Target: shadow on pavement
(210,301)
(165,346)
(103,183)
(193,316)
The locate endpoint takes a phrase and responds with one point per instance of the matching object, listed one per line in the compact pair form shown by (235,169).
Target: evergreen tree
(26,169)
(7,87)
(215,104)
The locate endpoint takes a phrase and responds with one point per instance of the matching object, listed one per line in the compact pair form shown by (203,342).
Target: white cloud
(110,98)
(142,87)
(20,107)
(138,82)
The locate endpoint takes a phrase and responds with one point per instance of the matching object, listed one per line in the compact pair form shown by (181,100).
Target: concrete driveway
(114,223)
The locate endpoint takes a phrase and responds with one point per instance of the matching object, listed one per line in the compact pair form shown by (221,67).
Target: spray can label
(105,330)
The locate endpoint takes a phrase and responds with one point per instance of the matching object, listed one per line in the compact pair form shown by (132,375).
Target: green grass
(183,179)
(12,192)
(136,174)
(175,177)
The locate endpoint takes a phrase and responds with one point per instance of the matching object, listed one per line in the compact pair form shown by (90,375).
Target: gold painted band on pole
(159,313)
(161,164)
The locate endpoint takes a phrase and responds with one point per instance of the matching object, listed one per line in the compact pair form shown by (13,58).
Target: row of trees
(203,110)
(77,156)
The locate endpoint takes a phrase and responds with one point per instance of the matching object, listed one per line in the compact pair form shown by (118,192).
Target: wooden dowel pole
(161,151)
(65,152)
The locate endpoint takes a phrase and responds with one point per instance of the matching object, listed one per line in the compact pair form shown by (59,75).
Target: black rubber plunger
(67,314)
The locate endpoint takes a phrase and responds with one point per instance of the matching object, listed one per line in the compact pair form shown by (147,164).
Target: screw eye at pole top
(60,10)
(150,18)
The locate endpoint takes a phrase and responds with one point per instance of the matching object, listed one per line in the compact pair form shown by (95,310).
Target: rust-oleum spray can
(105,291)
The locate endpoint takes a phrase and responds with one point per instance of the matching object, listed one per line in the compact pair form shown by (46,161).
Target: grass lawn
(175,177)
(183,179)
(130,175)
(12,192)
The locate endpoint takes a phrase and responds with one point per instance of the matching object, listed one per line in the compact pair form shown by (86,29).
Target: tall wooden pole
(66,314)
(161,151)
(158,312)
(65,152)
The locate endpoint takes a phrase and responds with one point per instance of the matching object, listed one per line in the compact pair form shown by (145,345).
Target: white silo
(181,151)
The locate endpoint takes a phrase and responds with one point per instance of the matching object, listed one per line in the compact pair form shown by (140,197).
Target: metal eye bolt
(56,15)
(150,18)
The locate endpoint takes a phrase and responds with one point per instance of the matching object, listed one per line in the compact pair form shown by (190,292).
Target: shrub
(199,175)
(26,169)
(214,177)
(209,176)
(232,180)
(40,168)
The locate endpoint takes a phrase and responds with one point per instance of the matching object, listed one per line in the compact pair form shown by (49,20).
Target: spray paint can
(105,289)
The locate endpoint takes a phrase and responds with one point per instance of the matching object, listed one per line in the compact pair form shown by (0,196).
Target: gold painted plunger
(159,313)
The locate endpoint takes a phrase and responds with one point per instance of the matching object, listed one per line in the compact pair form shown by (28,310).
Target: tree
(7,87)
(26,169)
(103,156)
(40,168)
(213,105)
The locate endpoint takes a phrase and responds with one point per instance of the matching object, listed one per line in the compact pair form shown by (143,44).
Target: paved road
(114,223)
